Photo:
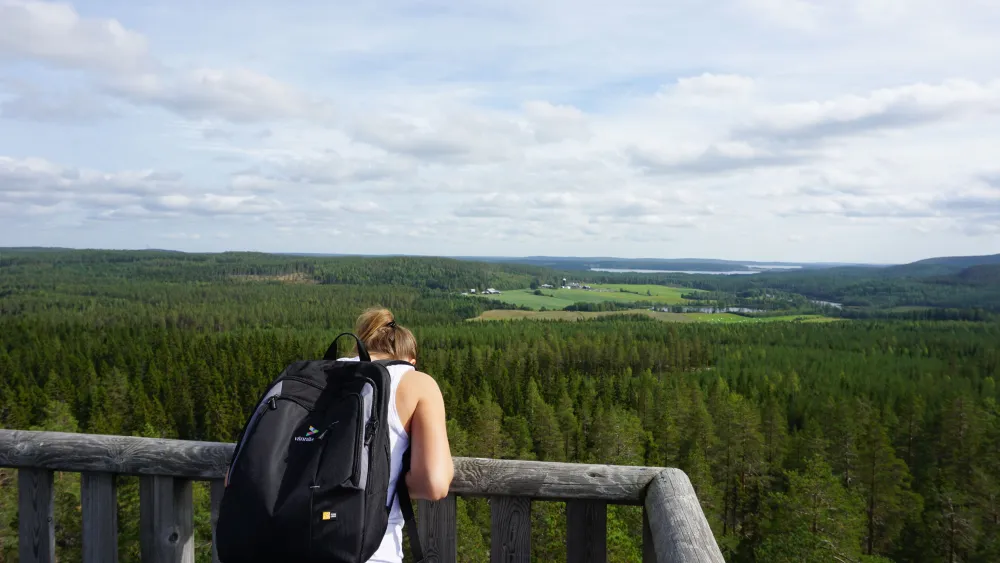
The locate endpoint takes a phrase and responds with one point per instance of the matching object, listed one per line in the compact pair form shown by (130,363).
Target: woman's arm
(431,467)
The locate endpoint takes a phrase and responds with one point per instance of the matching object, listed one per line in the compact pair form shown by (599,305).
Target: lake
(619,271)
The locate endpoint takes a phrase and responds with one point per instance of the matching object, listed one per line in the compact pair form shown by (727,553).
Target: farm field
(734,318)
(561,298)
(723,318)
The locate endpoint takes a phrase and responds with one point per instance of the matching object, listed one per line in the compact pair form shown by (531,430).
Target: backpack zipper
(304,380)
(254,422)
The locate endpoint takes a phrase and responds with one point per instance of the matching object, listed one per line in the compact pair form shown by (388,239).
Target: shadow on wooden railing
(675,528)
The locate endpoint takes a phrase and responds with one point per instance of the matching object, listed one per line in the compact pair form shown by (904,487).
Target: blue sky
(861,130)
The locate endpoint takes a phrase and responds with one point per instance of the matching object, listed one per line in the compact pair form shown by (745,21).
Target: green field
(730,318)
(561,298)
(723,318)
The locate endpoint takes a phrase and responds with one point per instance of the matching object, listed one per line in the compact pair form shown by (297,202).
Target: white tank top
(391,549)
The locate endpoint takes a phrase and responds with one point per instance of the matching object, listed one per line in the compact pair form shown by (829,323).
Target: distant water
(711,309)
(617,270)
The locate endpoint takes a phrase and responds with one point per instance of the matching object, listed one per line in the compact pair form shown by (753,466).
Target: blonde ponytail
(377,329)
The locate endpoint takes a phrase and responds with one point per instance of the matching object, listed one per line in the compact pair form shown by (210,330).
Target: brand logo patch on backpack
(309,435)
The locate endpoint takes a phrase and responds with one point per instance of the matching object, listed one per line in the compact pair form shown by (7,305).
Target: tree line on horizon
(861,441)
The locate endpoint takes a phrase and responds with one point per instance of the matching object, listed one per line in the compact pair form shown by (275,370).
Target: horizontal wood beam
(127,455)
(61,451)
(544,480)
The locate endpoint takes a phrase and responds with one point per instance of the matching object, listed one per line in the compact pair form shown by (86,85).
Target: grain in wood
(436,524)
(510,529)
(132,455)
(99,517)
(648,549)
(165,523)
(184,518)
(545,480)
(36,520)
(587,531)
(680,531)
(127,455)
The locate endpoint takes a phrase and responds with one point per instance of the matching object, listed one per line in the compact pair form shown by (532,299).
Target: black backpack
(308,478)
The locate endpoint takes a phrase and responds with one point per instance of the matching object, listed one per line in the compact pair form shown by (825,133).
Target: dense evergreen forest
(867,440)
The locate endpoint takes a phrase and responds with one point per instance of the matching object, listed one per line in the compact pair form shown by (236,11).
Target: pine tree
(816,521)
(546,435)
(884,482)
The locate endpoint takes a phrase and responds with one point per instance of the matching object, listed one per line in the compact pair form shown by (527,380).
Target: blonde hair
(377,329)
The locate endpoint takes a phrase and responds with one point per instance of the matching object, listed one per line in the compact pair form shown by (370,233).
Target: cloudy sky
(856,130)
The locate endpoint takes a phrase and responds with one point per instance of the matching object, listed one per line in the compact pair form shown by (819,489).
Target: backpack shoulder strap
(406,506)
(331,352)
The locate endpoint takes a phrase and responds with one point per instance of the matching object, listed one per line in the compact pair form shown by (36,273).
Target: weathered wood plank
(436,524)
(208,460)
(217,490)
(184,518)
(680,531)
(99,517)
(587,531)
(36,521)
(165,520)
(648,549)
(510,529)
(127,455)
(544,480)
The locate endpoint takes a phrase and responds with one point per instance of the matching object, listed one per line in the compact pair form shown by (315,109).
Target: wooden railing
(676,530)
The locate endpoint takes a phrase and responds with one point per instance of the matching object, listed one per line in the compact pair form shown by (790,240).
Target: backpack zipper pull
(370,429)
(325,430)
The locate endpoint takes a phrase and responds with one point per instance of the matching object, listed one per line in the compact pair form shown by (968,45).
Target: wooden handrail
(676,524)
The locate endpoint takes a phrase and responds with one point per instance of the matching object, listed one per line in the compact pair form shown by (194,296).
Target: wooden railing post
(35,505)
(586,531)
(165,520)
(675,529)
(436,523)
(510,529)
(100,517)
(648,549)
(217,489)
(679,528)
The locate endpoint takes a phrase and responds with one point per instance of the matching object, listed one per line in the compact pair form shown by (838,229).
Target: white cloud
(244,182)
(554,123)
(884,108)
(719,157)
(31,103)
(769,129)
(236,95)
(715,85)
(802,15)
(55,33)
(361,207)
(182,236)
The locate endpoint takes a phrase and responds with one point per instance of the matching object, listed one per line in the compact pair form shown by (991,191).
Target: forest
(866,440)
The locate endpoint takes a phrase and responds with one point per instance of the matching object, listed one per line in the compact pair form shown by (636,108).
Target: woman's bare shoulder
(419,381)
